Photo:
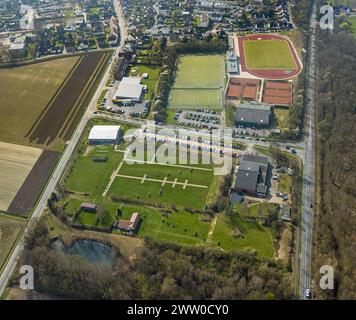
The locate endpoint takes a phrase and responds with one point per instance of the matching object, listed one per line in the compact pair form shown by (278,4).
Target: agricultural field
(10,229)
(25,92)
(268,55)
(16,162)
(198,83)
(65,110)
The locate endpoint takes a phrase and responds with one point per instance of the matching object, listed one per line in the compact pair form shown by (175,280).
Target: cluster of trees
(160,271)
(168,67)
(336,103)
(301,13)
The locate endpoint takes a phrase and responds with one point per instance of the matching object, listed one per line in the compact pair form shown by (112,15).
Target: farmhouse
(130,88)
(130,225)
(253,115)
(104,134)
(251,177)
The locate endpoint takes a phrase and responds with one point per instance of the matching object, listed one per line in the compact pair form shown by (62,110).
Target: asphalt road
(309,168)
(61,166)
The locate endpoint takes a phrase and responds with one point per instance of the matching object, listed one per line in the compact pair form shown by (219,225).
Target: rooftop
(104,132)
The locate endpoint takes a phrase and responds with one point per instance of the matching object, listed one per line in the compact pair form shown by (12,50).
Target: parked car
(308,294)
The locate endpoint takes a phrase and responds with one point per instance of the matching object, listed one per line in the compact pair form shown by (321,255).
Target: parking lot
(200,118)
(132,109)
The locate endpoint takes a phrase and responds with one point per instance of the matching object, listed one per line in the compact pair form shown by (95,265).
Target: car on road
(308,294)
(275,177)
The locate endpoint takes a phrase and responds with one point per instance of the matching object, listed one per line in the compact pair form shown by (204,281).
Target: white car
(308,294)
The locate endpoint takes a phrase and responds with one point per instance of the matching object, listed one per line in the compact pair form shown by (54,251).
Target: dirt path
(212,228)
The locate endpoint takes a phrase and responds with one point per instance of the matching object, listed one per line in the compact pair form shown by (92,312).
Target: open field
(10,229)
(65,109)
(30,190)
(268,54)
(25,92)
(252,235)
(198,82)
(16,162)
(281,117)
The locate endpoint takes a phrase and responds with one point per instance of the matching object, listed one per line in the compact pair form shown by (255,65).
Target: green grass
(178,227)
(285,183)
(25,92)
(194,99)
(10,229)
(92,177)
(255,209)
(268,54)
(151,82)
(255,236)
(198,82)
(353,24)
(281,118)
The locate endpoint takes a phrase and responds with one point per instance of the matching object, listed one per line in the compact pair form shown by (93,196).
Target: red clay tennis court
(240,88)
(278,92)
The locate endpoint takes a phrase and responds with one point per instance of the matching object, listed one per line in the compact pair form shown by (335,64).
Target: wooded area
(336,105)
(160,271)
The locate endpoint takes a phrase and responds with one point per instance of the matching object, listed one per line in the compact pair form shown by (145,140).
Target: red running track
(269,74)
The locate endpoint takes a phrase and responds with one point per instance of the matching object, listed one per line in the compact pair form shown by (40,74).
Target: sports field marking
(185,184)
(164,181)
(174,183)
(144,178)
(112,178)
(170,165)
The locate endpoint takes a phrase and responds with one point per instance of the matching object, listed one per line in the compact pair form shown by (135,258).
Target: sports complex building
(130,89)
(104,134)
(253,115)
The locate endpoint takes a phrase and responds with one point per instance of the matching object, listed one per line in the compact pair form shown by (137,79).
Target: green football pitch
(268,54)
(198,82)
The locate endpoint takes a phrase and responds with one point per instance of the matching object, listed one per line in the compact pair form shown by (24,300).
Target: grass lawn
(281,118)
(92,177)
(285,183)
(151,81)
(353,24)
(255,209)
(25,92)
(268,54)
(254,235)
(198,82)
(10,229)
(179,227)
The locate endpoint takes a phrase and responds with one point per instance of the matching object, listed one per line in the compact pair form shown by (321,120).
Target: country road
(309,167)
(62,164)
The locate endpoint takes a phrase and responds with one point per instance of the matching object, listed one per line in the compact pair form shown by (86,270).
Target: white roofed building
(104,134)
(130,88)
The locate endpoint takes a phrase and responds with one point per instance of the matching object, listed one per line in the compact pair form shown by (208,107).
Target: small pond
(91,250)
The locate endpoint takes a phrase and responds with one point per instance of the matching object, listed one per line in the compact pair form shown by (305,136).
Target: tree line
(160,271)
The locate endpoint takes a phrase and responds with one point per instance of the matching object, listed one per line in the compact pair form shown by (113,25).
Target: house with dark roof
(253,115)
(251,176)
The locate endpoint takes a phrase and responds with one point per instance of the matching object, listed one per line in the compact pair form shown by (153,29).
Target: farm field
(10,229)
(62,115)
(198,82)
(16,162)
(30,190)
(25,92)
(251,235)
(268,55)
